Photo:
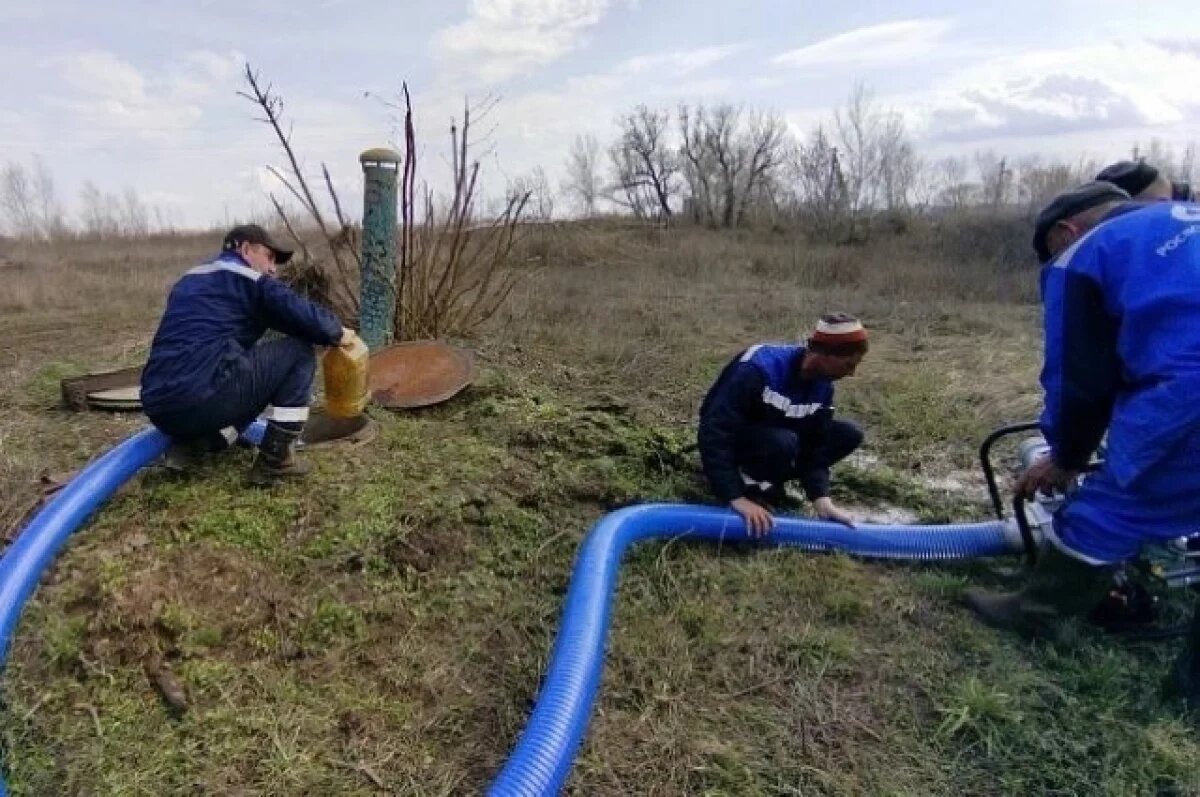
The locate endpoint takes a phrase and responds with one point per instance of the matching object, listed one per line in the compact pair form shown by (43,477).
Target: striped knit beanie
(839,329)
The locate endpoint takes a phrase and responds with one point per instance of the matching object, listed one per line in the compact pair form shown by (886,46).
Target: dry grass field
(383,628)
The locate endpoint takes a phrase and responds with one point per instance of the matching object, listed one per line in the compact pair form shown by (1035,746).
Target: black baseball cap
(1132,177)
(1070,203)
(254,234)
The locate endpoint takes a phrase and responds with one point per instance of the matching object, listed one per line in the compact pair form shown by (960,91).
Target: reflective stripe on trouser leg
(286,414)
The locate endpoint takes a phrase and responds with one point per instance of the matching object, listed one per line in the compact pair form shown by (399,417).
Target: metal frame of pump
(1173,565)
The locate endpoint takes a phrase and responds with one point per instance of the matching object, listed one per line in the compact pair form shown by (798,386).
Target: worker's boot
(276,459)
(184,455)
(180,457)
(1060,589)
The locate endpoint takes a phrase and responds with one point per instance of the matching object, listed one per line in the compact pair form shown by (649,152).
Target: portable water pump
(1133,604)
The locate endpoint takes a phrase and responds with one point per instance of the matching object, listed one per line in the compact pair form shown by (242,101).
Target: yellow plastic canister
(345,370)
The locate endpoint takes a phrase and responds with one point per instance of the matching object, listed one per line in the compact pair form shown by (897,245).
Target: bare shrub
(456,270)
(453,267)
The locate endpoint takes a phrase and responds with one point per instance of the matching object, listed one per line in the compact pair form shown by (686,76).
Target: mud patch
(426,549)
(178,605)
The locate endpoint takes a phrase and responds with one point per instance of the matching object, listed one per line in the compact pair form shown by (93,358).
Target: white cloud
(1094,87)
(105,95)
(102,75)
(680,62)
(216,67)
(1179,45)
(201,73)
(505,38)
(891,42)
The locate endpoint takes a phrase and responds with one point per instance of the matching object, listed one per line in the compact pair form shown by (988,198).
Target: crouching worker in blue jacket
(768,419)
(1121,296)
(206,379)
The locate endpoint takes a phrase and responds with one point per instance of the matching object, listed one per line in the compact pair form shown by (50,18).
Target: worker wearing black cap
(1122,358)
(1145,183)
(208,377)
(1071,214)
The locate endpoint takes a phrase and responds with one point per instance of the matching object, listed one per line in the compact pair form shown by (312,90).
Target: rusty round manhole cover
(419,373)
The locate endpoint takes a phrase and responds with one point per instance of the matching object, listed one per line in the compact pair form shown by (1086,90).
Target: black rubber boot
(181,457)
(1060,589)
(276,459)
(184,455)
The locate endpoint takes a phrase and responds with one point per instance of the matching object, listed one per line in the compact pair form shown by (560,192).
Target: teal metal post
(377,303)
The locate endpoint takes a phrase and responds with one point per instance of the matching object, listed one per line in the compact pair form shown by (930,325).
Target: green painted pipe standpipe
(377,304)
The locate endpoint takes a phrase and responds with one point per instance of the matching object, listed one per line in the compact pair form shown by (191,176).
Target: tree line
(729,166)
(722,166)
(30,208)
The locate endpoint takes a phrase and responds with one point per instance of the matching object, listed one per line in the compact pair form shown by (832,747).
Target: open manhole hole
(323,429)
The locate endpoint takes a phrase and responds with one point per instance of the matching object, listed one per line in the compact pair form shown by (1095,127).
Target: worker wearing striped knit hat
(768,420)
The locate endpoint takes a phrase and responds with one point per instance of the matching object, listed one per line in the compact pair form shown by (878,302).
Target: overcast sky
(143,94)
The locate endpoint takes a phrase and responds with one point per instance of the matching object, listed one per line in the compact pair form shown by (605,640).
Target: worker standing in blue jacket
(207,377)
(1121,294)
(768,419)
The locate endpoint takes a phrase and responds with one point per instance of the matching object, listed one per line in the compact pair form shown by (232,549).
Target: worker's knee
(843,438)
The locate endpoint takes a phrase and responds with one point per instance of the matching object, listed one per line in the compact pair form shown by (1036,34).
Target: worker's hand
(1045,476)
(827,510)
(349,337)
(758,520)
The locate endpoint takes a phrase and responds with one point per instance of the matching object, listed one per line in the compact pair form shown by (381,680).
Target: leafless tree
(134,214)
(858,128)
(17,202)
(697,165)
(820,185)
(1037,182)
(898,164)
(625,189)
(956,191)
(644,164)
(995,178)
(924,185)
(729,160)
(51,219)
(583,182)
(765,145)
(535,186)
(96,217)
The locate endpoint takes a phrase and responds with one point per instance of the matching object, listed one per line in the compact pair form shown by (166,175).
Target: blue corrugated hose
(542,759)
(35,547)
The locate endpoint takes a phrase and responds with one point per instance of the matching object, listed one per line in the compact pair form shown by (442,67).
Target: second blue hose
(539,765)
